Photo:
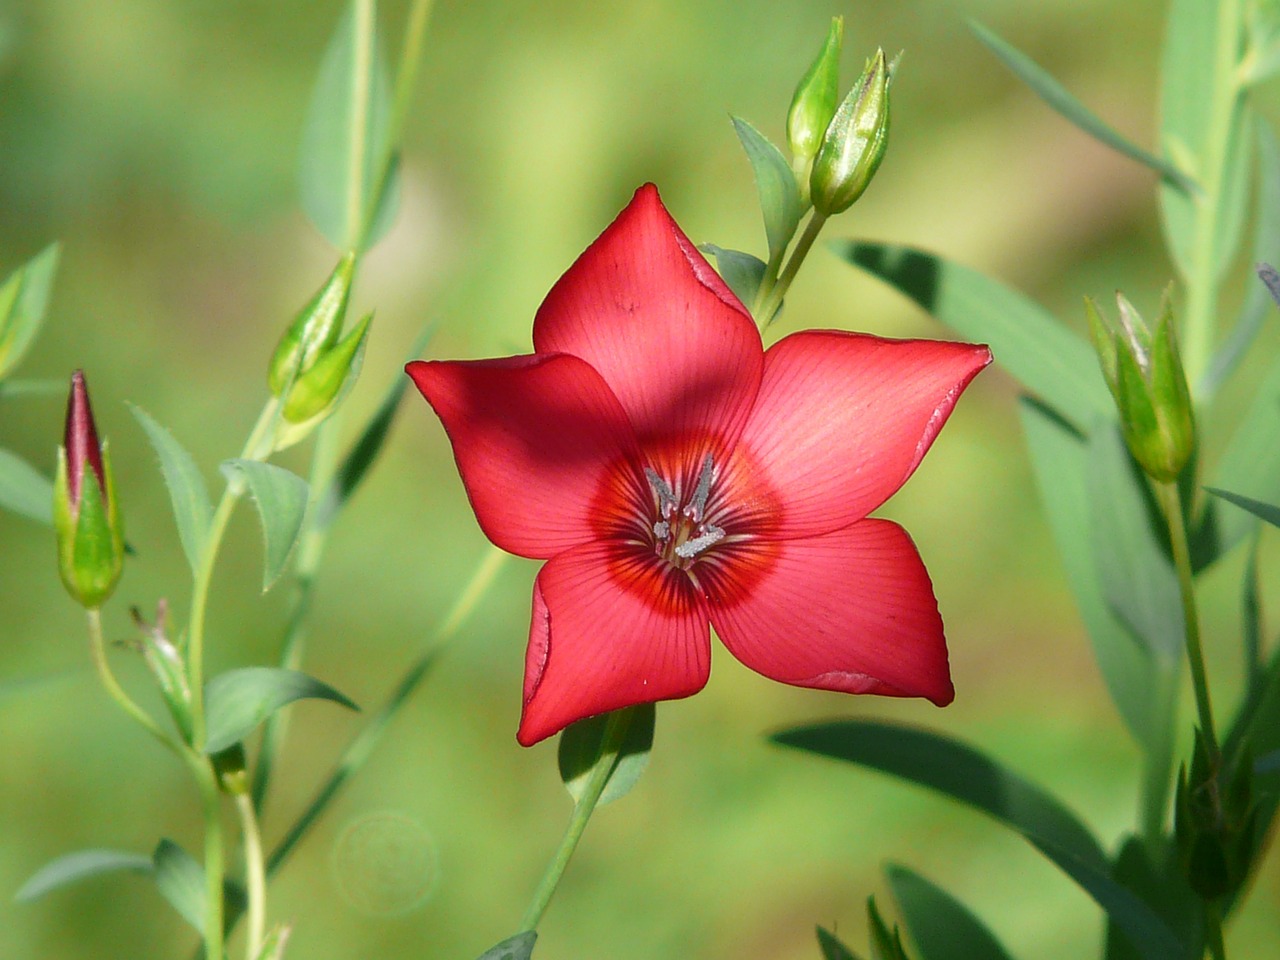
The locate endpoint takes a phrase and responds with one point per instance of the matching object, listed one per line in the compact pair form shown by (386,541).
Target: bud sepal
(814,104)
(854,142)
(314,330)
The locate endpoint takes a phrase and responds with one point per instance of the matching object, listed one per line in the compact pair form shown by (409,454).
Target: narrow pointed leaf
(1046,357)
(741,271)
(776,184)
(1064,102)
(81,865)
(187,491)
(1268,512)
(832,948)
(23,489)
(24,295)
(345,134)
(180,880)
(579,749)
(238,700)
(1163,887)
(281,499)
(941,927)
(519,947)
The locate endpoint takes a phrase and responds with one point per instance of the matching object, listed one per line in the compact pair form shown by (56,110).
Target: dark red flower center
(682,530)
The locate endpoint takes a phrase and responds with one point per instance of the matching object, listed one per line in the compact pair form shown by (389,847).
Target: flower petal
(645,309)
(843,419)
(611,628)
(852,611)
(541,443)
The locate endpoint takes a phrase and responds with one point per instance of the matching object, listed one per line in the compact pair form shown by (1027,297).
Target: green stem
(1213,932)
(1171,500)
(362,73)
(98,647)
(255,876)
(1202,280)
(772,301)
(615,732)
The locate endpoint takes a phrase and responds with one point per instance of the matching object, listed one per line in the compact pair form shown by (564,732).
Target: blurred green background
(157,140)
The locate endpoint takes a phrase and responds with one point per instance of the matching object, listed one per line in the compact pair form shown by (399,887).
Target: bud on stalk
(814,104)
(854,142)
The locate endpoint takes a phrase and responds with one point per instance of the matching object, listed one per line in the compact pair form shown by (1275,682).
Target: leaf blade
(742,272)
(776,185)
(580,747)
(519,947)
(281,498)
(238,700)
(81,865)
(942,927)
(180,880)
(187,491)
(26,291)
(24,489)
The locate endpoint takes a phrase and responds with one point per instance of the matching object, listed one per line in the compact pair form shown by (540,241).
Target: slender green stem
(1213,931)
(773,299)
(358,142)
(1171,500)
(1202,280)
(615,732)
(255,876)
(98,647)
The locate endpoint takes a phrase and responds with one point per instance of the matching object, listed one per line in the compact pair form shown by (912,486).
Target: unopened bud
(815,99)
(319,388)
(854,142)
(314,330)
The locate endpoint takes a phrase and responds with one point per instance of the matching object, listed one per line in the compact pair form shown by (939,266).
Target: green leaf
(832,948)
(345,135)
(190,497)
(1064,103)
(941,926)
(180,880)
(742,272)
(1164,889)
(81,865)
(238,700)
(776,184)
(519,947)
(32,388)
(580,746)
(1047,358)
(1263,511)
(24,301)
(24,490)
(281,499)
(884,945)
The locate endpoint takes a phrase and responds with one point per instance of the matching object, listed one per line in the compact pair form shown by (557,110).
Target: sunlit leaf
(24,490)
(941,927)
(1065,103)
(776,184)
(281,499)
(187,491)
(81,865)
(580,749)
(1049,359)
(180,880)
(24,302)
(742,272)
(238,700)
(519,947)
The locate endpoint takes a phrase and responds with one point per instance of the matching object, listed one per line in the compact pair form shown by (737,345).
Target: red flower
(674,474)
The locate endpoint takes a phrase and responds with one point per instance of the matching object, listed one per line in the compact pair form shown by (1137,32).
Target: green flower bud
(814,102)
(1215,823)
(314,330)
(854,142)
(1144,373)
(86,516)
(167,666)
(319,389)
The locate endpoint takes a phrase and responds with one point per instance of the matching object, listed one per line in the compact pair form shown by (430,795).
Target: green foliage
(941,927)
(81,865)
(581,748)
(741,272)
(832,948)
(24,301)
(180,880)
(187,492)
(776,184)
(238,700)
(24,490)
(281,498)
(519,947)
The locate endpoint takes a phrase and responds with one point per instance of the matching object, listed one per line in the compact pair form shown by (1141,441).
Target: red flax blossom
(674,474)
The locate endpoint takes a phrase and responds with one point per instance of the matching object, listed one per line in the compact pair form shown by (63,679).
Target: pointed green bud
(854,142)
(319,389)
(1144,373)
(314,330)
(86,516)
(815,99)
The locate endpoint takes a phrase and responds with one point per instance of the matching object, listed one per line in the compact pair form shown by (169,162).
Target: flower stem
(98,647)
(255,875)
(1213,931)
(615,732)
(769,303)
(1171,501)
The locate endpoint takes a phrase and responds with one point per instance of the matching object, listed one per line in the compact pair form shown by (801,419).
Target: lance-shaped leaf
(1268,512)
(24,490)
(281,499)
(187,492)
(1163,887)
(832,948)
(344,141)
(1065,103)
(180,880)
(1046,357)
(776,184)
(238,700)
(941,926)
(741,271)
(81,865)
(580,749)
(519,947)
(24,301)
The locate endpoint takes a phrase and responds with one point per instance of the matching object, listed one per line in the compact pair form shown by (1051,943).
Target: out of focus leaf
(1268,512)
(24,490)
(580,749)
(24,301)
(832,948)
(1164,889)
(180,880)
(776,184)
(519,947)
(32,388)
(742,272)
(190,497)
(238,700)
(1047,358)
(1064,102)
(885,945)
(345,135)
(281,499)
(81,865)
(941,927)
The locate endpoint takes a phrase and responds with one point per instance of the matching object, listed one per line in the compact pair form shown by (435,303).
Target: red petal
(610,629)
(645,309)
(542,445)
(852,611)
(843,419)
